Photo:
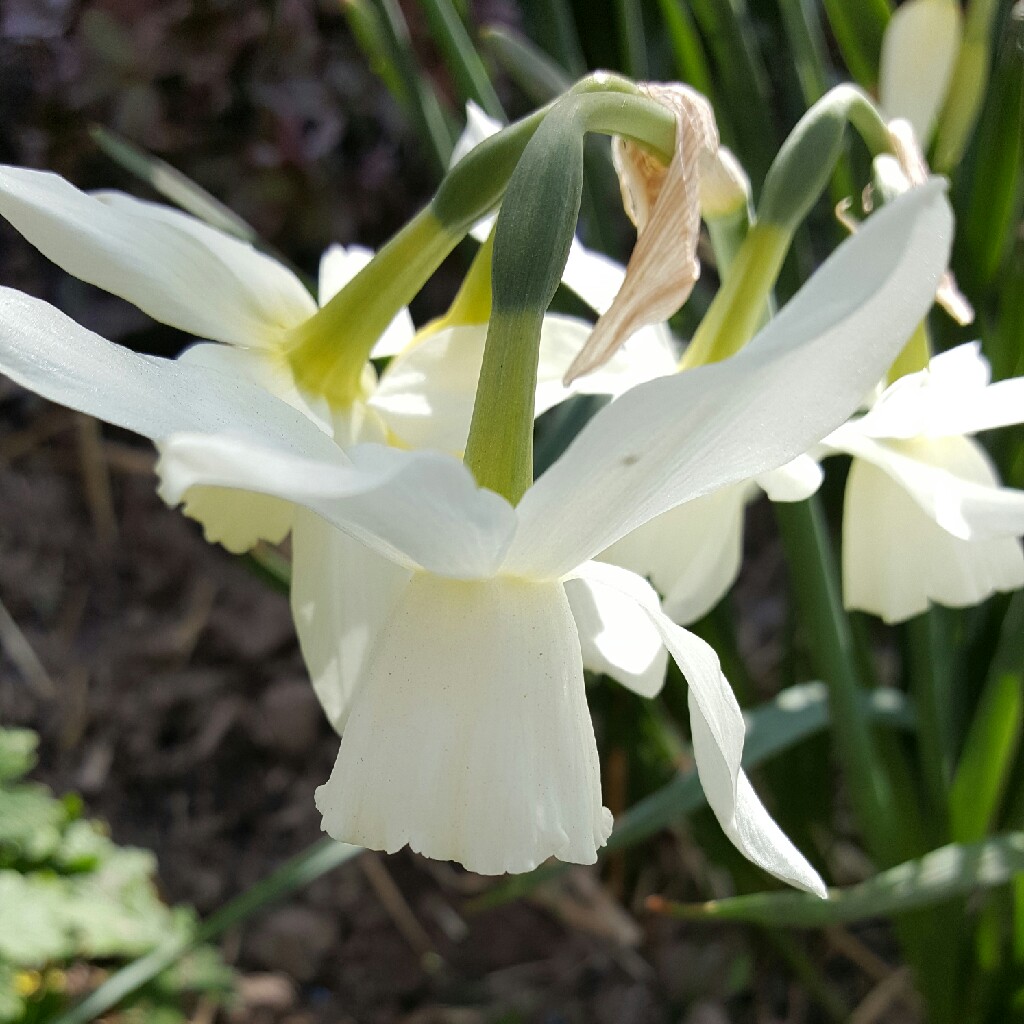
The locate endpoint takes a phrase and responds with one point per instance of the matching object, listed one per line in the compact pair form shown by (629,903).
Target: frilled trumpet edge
(470,738)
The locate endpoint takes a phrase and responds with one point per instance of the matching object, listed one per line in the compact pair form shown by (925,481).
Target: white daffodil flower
(468,737)
(919,51)
(925,517)
(191,276)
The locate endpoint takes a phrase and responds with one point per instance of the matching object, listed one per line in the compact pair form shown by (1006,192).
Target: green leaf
(858,28)
(992,209)
(293,875)
(462,59)
(169,182)
(984,768)
(950,871)
(31,821)
(530,67)
(17,753)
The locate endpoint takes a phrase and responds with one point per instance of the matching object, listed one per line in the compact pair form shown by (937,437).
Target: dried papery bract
(664,202)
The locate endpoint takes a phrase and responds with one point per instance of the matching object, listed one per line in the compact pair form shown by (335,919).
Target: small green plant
(71,896)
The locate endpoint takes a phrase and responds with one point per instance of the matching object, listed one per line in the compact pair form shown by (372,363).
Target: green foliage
(68,893)
(953,870)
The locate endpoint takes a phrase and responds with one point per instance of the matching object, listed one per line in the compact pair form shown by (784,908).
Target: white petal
(342,593)
(338,266)
(717,731)
(594,277)
(896,559)
(650,353)
(952,396)
(479,126)
(691,553)
(240,519)
(949,478)
(426,394)
(420,509)
(177,269)
(795,481)
(470,739)
(46,351)
(919,50)
(616,635)
(676,438)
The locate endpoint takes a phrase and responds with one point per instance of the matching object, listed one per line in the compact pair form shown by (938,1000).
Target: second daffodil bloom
(469,737)
(925,517)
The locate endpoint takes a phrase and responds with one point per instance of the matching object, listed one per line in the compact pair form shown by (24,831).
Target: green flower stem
(795,181)
(815,585)
(738,307)
(531,244)
(930,682)
(329,350)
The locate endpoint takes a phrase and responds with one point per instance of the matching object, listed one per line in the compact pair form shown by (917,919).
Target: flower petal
(897,559)
(616,635)
(717,730)
(691,553)
(341,595)
(426,394)
(420,509)
(949,478)
(46,351)
(919,50)
(795,481)
(338,266)
(676,438)
(177,269)
(470,739)
(952,396)
(238,520)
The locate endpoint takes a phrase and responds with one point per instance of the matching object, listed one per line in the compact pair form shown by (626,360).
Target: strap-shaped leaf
(953,870)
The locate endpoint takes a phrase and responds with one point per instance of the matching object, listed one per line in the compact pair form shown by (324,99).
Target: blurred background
(161,676)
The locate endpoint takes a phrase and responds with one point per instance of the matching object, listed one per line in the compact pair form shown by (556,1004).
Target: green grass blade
(691,62)
(169,182)
(631,37)
(858,28)
(807,43)
(992,210)
(992,743)
(777,726)
(743,83)
(555,27)
(423,105)
(528,65)
(815,581)
(941,875)
(293,875)
(371,37)
(461,57)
